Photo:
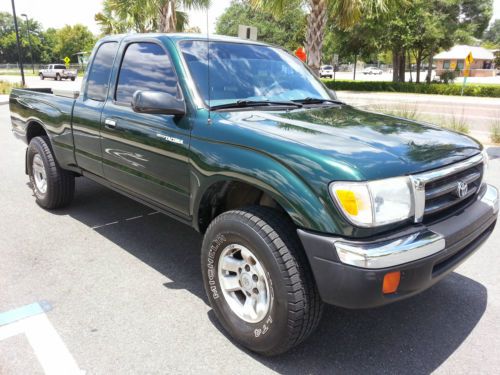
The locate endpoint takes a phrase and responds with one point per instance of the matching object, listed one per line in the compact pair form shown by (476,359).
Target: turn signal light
(348,201)
(391,282)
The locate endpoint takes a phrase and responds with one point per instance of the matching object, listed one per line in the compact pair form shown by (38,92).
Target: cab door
(146,154)
(50,71)
(88,107)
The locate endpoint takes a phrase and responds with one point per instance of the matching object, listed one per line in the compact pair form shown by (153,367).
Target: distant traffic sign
(469,59)
(66,61)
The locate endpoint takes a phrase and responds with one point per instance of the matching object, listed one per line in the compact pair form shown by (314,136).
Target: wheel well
(229,195)
(34,129)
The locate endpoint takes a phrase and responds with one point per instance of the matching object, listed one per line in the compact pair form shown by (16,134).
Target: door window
(98,79)
(145,67)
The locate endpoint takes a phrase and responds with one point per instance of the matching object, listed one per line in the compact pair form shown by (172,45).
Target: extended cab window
(60,67)
(145,67)
(98,79)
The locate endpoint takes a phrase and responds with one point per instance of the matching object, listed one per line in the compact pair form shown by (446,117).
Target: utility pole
(20,56)
(29,41)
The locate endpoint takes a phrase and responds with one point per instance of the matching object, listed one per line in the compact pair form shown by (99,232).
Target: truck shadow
(412,336)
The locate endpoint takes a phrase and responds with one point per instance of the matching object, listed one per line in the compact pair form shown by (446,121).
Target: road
(34,81)
(386,76)
(122,292)
(478,113)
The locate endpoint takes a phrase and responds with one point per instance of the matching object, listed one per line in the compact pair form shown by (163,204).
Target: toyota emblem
(462,189)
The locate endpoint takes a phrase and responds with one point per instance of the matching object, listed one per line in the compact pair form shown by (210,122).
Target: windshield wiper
(256,103)
(310,100)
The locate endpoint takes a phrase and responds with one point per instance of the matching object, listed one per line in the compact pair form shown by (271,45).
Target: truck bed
(53,109)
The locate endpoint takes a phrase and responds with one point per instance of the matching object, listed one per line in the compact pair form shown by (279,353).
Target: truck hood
(357,144)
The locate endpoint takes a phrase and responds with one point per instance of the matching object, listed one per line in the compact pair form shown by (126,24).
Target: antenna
(208,73)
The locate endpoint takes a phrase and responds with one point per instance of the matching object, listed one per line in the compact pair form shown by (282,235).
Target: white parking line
(126,219)
(50,350)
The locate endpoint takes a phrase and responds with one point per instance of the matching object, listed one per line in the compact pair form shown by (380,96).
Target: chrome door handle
(109,123)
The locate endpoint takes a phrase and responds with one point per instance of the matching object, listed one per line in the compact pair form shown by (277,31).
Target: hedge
(420,88)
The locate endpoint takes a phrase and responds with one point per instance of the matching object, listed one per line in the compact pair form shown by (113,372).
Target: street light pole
(29,41)
(20,56)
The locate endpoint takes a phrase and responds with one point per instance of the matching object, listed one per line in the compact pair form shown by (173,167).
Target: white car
(58,72)
(372,70)
(326,71)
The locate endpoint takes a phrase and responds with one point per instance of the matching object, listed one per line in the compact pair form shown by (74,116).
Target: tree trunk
(402,63)
(419,64)
(167,17)
(395,66)
(429,69)
(409,64)
(316,22)
(355,64)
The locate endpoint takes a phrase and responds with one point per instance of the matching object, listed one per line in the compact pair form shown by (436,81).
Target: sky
(57,13)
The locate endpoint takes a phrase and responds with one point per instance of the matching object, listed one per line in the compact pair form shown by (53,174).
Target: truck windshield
(240,71)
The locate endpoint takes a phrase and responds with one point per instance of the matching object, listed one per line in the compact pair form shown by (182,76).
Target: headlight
(374,203)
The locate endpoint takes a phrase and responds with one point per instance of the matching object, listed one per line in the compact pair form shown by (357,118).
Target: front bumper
(350,273)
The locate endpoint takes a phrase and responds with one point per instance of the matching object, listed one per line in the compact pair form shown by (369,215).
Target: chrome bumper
(374,255)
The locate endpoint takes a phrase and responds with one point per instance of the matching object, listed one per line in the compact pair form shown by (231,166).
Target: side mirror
(333,94)
(157,102)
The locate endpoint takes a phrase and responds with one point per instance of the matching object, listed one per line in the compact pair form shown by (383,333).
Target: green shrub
(495,131)
(407,111)
(417,88)
(6,87)
(458,124)
(448,76)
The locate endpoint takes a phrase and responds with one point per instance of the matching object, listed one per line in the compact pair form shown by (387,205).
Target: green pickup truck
(302,199)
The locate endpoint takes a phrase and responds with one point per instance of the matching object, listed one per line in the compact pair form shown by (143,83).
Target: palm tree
(345,14)
(120,16)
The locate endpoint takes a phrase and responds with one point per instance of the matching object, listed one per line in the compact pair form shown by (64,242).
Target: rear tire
(72,78)
(262,245)
(53,187)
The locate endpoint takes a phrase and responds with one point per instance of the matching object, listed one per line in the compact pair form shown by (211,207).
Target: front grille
(442,194)
(443,191)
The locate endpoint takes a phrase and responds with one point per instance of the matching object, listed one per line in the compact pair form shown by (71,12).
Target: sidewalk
(4,99)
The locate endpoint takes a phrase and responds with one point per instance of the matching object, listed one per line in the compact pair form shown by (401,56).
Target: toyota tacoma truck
(302,199)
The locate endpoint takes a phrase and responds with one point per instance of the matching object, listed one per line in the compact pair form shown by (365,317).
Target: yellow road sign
(66,60)
(469,59)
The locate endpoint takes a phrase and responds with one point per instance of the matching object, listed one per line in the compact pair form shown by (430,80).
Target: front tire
(58,77)
(41,76)
(53,187)
(258,280)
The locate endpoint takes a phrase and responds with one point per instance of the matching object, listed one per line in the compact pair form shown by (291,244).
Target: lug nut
(247,268)
(255,291)
(255,278)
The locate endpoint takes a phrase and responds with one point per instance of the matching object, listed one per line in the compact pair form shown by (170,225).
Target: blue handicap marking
(23,312)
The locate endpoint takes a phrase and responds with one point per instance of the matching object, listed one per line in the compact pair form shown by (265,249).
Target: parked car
(372,70)
(302,199)
(326,71)
(58,72)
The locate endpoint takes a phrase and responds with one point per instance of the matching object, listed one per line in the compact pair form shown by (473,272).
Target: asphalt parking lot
(116,289)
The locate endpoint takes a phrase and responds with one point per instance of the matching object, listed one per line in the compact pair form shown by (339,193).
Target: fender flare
(290,191)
